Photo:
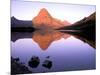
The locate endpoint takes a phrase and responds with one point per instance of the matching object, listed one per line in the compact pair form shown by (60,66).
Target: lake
(64,51)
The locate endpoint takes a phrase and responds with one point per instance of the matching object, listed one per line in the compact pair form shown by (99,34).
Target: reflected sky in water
(66,54)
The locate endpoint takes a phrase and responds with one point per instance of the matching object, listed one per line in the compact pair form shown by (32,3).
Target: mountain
(66,23)
(85,23)
(20,23)
(85,29)
(45,38)
(44,20)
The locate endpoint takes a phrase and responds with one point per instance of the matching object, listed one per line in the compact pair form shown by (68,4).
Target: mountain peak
(44,20)
(44,13)
(43,10)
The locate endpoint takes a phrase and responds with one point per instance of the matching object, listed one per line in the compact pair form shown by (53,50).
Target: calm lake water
(66,52)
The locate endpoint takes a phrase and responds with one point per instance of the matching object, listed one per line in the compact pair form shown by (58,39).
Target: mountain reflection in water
(66,52)
(45,38)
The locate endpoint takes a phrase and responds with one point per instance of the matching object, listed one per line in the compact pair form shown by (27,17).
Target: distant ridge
(20,23)
(82,24)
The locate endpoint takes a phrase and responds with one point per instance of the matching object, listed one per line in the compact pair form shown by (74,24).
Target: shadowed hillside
(21,25)
(84,29)
(85,23)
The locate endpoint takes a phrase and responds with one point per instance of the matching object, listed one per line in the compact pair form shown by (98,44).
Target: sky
(27,10)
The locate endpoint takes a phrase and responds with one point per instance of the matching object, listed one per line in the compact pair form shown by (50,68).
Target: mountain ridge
(83,23)
(20,23)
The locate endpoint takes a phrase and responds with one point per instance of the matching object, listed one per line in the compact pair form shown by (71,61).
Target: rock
(47,64)
(48,57)
(34,62)
(18,67)
(16,59)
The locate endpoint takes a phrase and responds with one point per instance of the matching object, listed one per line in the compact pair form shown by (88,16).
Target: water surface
(65,51)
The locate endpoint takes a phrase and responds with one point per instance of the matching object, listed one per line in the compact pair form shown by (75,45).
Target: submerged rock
(34,62)
(47,64)
(17,67)
(48,57)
